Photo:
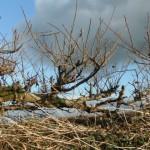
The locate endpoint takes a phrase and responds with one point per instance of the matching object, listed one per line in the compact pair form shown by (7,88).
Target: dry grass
(117,132)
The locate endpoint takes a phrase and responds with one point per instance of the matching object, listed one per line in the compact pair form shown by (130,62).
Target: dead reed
(117,132)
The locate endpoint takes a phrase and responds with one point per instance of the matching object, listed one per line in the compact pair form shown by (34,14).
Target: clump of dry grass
(46,134)
(116,132)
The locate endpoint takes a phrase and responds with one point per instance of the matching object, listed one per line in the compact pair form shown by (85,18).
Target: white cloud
(61,12)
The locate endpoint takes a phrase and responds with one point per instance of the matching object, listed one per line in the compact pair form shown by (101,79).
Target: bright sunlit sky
(61,12)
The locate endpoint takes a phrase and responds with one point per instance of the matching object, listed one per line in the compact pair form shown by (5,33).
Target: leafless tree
(141,58)
(77,59)
(7,64)
(108,83)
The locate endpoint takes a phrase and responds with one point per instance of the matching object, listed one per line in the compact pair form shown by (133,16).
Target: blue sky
(11,14)
(61,12)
